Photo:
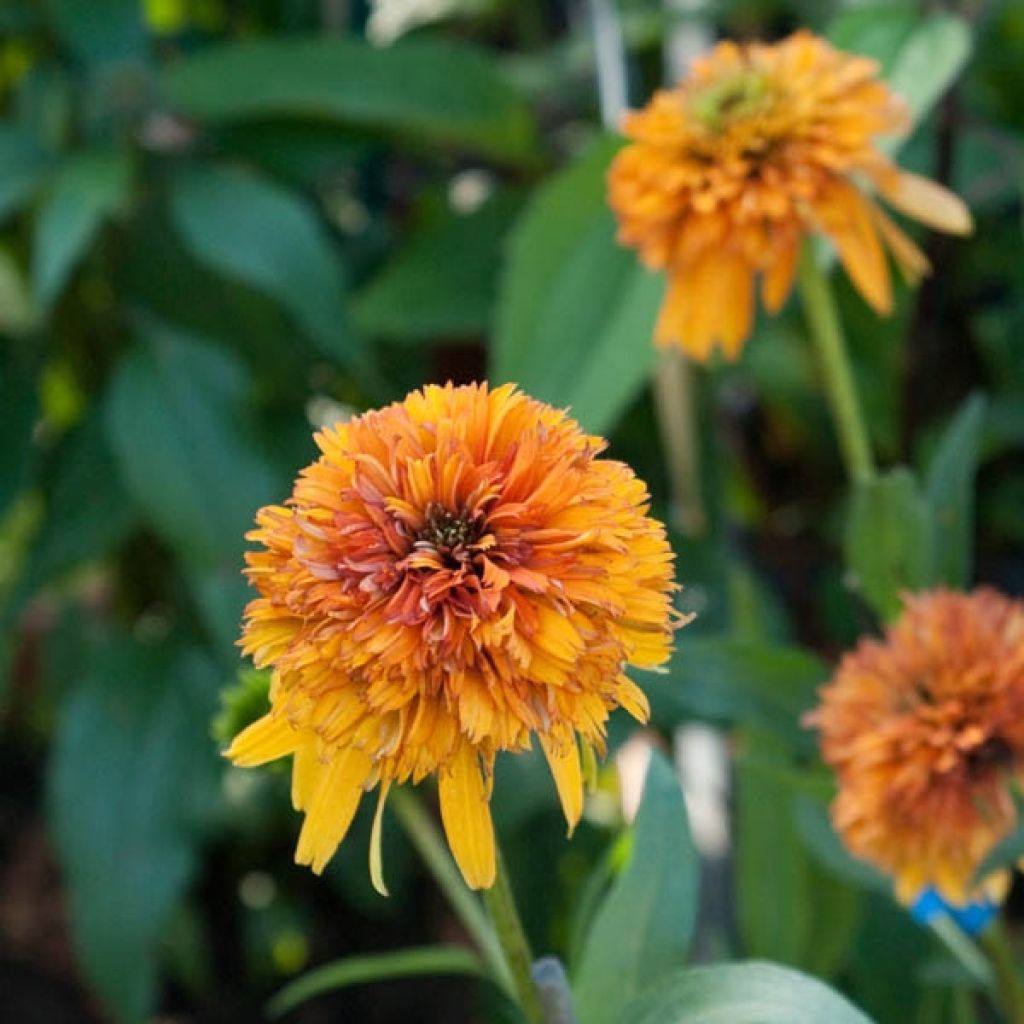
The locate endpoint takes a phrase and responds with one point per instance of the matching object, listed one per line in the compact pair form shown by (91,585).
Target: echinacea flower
(457,573)
(925,730)
(759,146)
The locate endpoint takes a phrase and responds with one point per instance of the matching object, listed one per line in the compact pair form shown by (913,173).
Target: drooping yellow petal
(306,768)
(777,281)
(846,218)
(267,739)
(928,202)
(332,808)
(466,815)
(376,856)
(564,761)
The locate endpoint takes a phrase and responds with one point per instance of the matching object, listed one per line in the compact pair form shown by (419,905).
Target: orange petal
(912,262)
(376,841)
(564,762)
(267,739)
(928,202)
(777,282)
(333,807)
(669,328)
(846,217)
(466,816)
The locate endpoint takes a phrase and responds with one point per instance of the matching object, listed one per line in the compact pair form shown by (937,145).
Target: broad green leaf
(879,30)
(18,315)
(743,993)
(929,61)
(442,282)
(820,839)
(182,437)
(85,191)
(434,90)
(75,531)
(1007,853)
(256,232)
(730,681)
(132,769)
(575,312)
(644,927)
(950,488)
(889,540)
(361,970)
(100,31)
(23,165)
(19,409)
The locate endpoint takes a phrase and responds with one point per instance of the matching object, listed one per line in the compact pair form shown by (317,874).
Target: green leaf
(730,681)
(255,232)
(644,927)
(576,313)
(76,531)
(950,489)
(132,767)
(182,436)
(1007,853)
(85,191)
(101,30)
(24,163)
(17,313)
(744,993)
(359,970)
(879,30)
(19,410)
(929,61)
(437,91)
(443,280)
(889,540)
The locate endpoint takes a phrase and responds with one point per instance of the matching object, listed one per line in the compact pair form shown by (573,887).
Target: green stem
(426,837)
(963,949)
(1007,974)
(827,334)
(501,905)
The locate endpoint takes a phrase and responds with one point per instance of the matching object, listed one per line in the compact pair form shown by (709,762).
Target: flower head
(456,573)
(759,146)
(925,730)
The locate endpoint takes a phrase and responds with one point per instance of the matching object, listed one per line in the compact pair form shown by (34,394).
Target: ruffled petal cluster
(759,146)
(457,573)
(925,730)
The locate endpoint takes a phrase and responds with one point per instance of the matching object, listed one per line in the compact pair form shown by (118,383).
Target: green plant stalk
(501,906)
(963,949)
(1008,985)
(827,334)
(424,834)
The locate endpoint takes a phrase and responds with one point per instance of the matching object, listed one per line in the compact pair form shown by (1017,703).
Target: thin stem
(426,837)
(823,318)
(675,405)
(501,905)
(963,949)
(1007,974)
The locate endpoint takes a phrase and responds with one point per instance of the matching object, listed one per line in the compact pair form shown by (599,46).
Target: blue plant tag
(972,918)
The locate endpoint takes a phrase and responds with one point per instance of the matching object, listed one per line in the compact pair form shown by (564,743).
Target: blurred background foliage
(224,222)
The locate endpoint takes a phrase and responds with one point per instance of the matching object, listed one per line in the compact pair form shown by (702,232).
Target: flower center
(449,532)
(733,98)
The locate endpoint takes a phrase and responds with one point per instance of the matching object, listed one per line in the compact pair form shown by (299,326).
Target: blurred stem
(431,846)
(501,905)
(675,404)
(1009,987)
(963,949)
(827,334)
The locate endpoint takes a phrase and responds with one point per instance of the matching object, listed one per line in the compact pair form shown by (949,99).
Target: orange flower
(457,572)
(925,731)
(758,147)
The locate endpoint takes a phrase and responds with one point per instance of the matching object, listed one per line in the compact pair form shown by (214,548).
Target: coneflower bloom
(759,146)
(925,730)
(457,573)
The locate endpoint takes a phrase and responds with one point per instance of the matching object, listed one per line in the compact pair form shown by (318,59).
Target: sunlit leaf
(23,165)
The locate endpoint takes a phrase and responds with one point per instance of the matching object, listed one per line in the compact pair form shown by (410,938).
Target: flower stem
(823,318)
(501,905)
(963,949)
(426,837)
(1009,986)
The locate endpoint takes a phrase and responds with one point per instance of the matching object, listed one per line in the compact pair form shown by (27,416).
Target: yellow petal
(267,739)
(564,762)
(928,202)
(332,808)
(846,217)
(912,262)
(466,816)
(306,768)
(777,281)
(376,857)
